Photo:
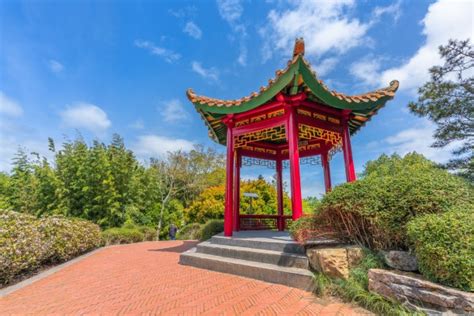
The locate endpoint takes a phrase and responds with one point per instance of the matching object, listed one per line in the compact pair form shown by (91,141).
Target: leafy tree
(169,174)
(22,184)
(447,100)
(4,188)
(310,204)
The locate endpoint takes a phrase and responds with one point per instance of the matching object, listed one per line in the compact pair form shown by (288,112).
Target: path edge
(15,287)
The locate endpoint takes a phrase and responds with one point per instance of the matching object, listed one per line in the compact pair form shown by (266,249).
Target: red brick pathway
(145,278)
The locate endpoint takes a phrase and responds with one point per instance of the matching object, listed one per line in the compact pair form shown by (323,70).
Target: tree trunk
(160,222)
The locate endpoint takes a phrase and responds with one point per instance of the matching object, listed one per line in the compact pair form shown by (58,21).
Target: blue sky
(104,67)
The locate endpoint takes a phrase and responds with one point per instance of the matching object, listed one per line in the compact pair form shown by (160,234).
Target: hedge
(211,228)
(374,211)
(190,232)
(27,242)
(444,247)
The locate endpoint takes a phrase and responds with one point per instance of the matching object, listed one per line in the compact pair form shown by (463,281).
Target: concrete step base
(274,244)
(292,277)
(258,255)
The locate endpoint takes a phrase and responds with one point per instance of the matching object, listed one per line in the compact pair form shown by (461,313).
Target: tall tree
(448,100)
(169,173)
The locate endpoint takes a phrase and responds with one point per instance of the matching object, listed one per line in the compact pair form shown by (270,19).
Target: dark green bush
(374,211)
(190,232)
(444,247)
(121,235)
(211,228)
(27,242)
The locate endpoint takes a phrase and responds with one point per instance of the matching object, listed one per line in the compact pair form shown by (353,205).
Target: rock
(354,255)
(336,261)
(401,260)
(412,289)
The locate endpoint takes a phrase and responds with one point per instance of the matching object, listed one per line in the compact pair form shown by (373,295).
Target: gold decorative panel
(310,132)
(273,133)
(261,117)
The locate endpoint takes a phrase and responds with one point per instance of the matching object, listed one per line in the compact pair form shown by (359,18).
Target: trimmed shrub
(190,232)
(211,228)
(22,247)
(444,247)
(374,211)
(67,238)
(149,233)
(121,235)
(27,242)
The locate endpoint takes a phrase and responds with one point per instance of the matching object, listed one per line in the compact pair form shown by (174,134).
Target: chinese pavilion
(293,117)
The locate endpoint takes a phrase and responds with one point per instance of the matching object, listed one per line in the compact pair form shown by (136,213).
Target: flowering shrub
(27,242)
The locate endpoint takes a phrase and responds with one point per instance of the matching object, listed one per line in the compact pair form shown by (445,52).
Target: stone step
(258,255)
(292,277)
(280,245)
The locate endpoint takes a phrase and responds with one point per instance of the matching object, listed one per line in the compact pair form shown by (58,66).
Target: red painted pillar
(279,178)
(327,171)
(347,150)
(238,164)
(295,177)
(228,211)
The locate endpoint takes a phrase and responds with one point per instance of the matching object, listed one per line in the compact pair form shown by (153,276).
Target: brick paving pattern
(145,278)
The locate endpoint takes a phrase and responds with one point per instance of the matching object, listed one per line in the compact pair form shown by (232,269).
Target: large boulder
(414,291)
(336,261)
(401,260)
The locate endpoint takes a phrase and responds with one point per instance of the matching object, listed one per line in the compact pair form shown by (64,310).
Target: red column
(238,164)
(347,150)
(279,178)
(327,170)
(228,212)
(295,177)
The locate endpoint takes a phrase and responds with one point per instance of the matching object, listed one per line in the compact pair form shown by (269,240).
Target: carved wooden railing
(263,222)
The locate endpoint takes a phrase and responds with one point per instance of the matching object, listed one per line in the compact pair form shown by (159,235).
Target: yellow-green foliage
(444,247)
(27,242)
(122,235)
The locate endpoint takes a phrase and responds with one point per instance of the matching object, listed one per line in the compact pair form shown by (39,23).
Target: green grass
(355,289)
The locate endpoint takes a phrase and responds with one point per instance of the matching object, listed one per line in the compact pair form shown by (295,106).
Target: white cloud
(192,30)
(325,25)
(87,116)
(419,139)
(326,66)
(242,59)
(9,107)
(138,124)
(393,9)
(446,19)
(207,73)
(167,54)
(173,111)
(55,66)
(157,146)
(230,10)
(366,70)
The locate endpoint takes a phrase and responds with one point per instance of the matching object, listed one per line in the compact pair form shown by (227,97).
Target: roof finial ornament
(299,47)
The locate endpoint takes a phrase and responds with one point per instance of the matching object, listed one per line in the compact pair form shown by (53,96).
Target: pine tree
(448,100)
